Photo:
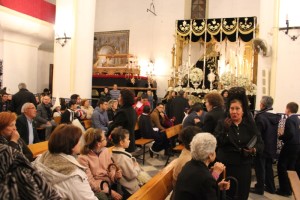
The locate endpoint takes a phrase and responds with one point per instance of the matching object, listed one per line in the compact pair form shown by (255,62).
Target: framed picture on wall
(110,43)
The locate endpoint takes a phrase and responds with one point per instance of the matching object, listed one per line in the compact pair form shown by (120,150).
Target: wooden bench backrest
(57,119)
(159,187)
(173,130)
(295,183)
(87,123)
(38,148)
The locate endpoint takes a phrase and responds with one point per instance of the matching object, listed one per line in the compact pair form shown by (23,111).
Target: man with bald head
(26,125)
(44,115)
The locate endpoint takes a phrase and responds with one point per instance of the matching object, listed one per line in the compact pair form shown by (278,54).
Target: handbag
(114,167)
(252,142)
(250,145)
(109,197)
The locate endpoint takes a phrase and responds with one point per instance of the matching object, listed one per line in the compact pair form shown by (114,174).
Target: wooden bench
(295,184)
(159,187)
(38,148)
(172,132)
(141,142)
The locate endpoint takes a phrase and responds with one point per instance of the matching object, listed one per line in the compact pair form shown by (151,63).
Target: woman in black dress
(125,117)
(238,141)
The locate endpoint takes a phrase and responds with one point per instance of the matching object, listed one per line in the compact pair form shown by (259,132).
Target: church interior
(198,46)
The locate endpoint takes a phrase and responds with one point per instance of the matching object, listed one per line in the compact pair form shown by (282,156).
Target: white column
(73,62)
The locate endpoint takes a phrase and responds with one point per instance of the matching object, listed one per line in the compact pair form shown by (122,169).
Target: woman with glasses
(97,158)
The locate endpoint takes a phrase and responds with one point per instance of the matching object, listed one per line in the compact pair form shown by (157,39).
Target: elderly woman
(10,136)
(215,111)
(60,167)
(195,181)
(186,136)
(126,117)
(96,158)
(238,141)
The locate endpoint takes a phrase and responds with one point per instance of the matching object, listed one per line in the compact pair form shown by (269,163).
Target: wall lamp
(287,28)
(62,40)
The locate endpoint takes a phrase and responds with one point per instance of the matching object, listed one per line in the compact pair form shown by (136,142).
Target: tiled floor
(153,165)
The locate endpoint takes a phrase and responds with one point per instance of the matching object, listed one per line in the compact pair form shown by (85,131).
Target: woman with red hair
(10,136)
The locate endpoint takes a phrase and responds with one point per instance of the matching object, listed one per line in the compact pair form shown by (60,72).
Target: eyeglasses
(31,108)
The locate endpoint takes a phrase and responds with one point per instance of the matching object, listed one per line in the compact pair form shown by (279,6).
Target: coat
(196,182)
(178,106)
(291,135)
(233,140)
(130,170)
(96,167)
(19,180)
(211,119)
(23,129)
(66,175)
(20,146)
(21,97)
(267,125)
(125,117)
(42,116)
(157,120)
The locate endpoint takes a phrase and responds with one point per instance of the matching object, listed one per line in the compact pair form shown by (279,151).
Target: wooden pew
(141,142)
(38,148)
(159,187)
(295,184)
(172,132)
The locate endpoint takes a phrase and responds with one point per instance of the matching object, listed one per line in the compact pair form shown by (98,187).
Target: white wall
(150,36)
(20,37)
(45,58)
(20,65)
(233,8)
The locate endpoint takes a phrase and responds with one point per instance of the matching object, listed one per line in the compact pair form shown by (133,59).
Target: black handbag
(252,142)
(250,145)
(109,197)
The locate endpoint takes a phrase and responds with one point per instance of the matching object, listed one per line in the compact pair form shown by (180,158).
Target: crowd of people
(221,138)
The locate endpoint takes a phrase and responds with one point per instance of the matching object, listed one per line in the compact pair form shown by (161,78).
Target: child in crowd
(97,158)
(130,168)
(57,111)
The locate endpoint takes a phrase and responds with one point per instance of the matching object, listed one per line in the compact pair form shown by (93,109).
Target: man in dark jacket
(26,125)
(5,103)
(178,105)
(267,123)
(44,116)
(22,97)
(290,150)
